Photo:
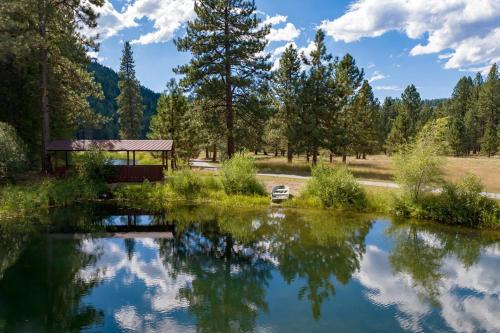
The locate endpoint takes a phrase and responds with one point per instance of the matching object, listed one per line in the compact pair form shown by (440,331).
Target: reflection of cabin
(129,172)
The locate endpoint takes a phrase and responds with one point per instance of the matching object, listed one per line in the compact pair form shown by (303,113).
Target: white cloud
(477,312)
(287,33)
(377,76)
(273,20)
(467,31)
(167,16)
(388,88)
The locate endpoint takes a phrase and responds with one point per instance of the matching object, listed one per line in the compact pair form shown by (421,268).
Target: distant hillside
(108,79)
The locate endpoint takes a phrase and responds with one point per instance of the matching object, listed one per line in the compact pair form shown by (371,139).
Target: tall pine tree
(44,56)
(489,109)
(472,120)
(226,40)
(407,121)
(130,107)
(317,97)
(348,79)
(287,85)
(462,94)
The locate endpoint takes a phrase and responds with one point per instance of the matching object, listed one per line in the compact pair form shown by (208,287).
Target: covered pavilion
(129,172)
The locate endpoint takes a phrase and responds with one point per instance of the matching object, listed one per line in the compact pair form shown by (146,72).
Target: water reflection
(247,271)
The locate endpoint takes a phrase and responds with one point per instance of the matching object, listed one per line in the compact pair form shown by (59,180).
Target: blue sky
(430,43)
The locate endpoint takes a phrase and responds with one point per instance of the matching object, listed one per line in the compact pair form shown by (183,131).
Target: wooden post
(166,160)
(133,157)
(128,158)
(66,159)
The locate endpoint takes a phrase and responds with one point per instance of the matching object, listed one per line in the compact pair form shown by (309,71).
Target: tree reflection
(229,283)
(420,251)
(232,254)
(50,299)
(318,248)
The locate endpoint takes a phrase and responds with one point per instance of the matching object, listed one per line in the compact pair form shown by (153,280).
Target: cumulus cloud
(467,32)
(167,16)
(283,34)
(377,76)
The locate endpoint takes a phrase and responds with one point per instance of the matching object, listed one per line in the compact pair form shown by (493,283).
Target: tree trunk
(344,158)
(229,90)
(364,156)
(265,152)
(276,152)
(43,85)
(307,157)
(331,158)
(289,154)
(214,155)
(315,156)
(207,153)
(256,152)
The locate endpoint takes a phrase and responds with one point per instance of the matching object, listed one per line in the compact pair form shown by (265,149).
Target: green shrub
(418,165)
(185,182)
(462,203)
(239,176)
(336,187)
(12,152)
(93,165)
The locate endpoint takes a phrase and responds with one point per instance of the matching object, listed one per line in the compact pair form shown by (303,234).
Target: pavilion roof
(111,145)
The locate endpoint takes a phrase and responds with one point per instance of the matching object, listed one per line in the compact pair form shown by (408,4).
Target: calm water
(245,271)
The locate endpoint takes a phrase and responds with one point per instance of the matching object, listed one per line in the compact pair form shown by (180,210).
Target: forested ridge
(108,79)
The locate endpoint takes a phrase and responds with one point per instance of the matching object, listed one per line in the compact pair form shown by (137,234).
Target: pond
(206,269)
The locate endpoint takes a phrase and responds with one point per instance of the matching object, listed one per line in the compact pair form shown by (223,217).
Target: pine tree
(405,126)
(489,110)
(348,79)
(176,120)
(472,120)
(130,107)
(226,40)
(46,40)
(317,97)
(460,102)
(287,85)
(365,139)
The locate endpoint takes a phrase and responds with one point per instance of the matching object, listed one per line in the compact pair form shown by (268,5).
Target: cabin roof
(111,145)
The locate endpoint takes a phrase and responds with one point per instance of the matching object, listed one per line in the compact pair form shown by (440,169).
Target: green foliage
(463,204)
(18,200)
(418,165)
(336,187)
(130,107)
(177,120)
(226,69)
(108,107)
(239,176)
(186,183)
(43,39)
(489,109)
(93,165)
(458,203)
(12,152)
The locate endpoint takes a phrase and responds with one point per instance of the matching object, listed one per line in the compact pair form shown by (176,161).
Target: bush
(12,152)
(239,176)
(462,203)
(418,165)
(336,187)
(93,165)
(186,183)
